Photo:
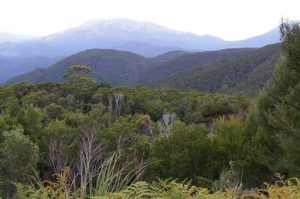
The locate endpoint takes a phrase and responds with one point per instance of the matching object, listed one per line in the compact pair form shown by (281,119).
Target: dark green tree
(277,129)
(186,154)
(31,119)
(19,156)
(80,82)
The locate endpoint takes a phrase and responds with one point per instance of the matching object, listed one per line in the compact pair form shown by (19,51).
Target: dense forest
(248,74)
(82,139)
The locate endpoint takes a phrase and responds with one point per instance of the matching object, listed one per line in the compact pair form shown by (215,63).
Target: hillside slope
(230,70)
(246,74)
(186,61)
(121,67)
(111,66)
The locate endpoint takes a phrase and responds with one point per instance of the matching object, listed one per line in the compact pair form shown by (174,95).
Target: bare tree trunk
(58,158)
(110,108)
(119,101)
(89,159)
(166,123)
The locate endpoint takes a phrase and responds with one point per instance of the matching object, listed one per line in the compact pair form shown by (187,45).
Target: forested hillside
(247,74)
(189,61)
(228,70)
(110,66)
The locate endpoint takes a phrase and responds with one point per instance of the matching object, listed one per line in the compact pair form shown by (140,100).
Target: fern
(169,189)
(138,190)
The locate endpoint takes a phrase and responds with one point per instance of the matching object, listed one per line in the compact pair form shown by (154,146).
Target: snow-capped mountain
(144,38)
(127,25)
(117,32)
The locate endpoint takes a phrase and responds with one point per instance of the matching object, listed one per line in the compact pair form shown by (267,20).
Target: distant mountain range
(242,69)
(20,54)
(144,38)
(10,37)
(12,66)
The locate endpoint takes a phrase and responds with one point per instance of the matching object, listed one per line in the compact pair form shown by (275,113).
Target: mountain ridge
(117,32)
(247,74)
(177,69)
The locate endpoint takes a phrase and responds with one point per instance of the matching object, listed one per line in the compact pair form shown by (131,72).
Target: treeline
(215,140)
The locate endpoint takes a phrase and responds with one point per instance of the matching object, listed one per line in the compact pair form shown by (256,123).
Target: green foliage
(275,123)
(79,82)
(185,153)
(54,111)
(230,137)
(74,71)
(31,120)
(19,156)
(125,121)
(169,189)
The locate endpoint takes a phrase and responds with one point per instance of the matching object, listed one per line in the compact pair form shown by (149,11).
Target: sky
(227,19)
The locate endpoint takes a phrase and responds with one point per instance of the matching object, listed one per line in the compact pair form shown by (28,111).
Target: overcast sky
(228,19)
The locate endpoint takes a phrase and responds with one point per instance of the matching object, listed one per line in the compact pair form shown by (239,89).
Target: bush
(19,156)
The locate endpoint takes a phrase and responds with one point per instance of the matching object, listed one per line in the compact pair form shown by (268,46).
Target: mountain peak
(145,38)
(123,24)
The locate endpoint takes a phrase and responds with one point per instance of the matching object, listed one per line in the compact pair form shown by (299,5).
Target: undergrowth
(163,189)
